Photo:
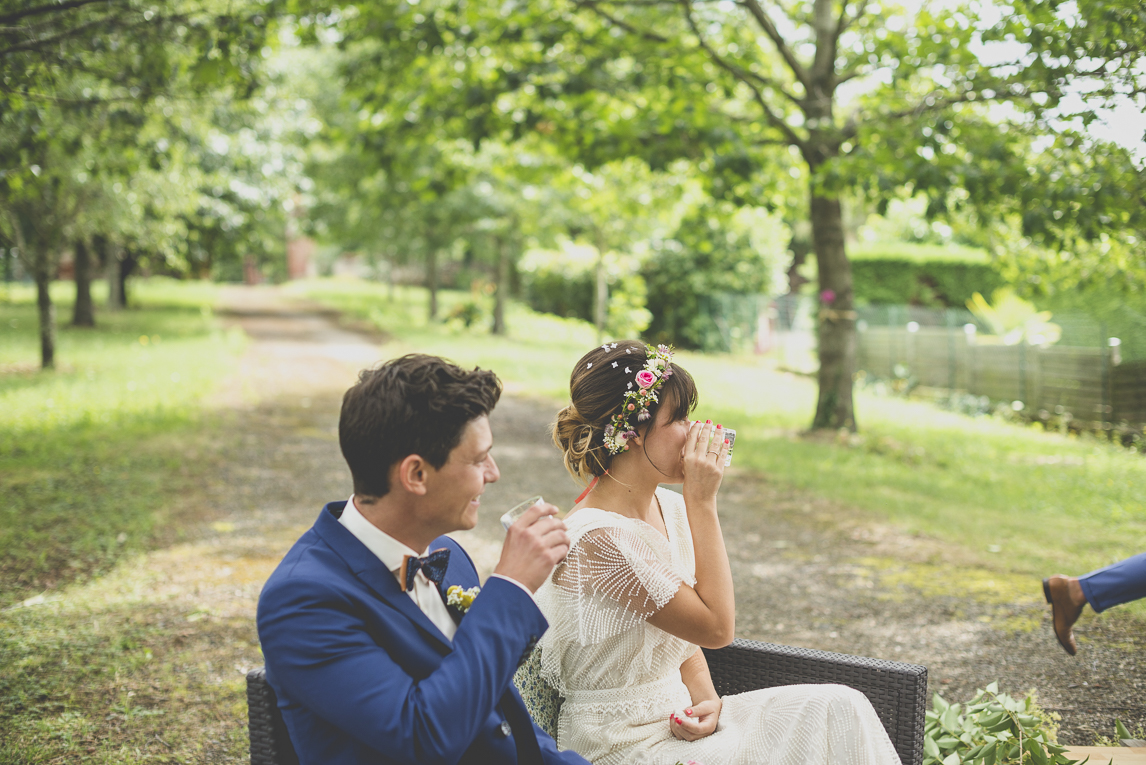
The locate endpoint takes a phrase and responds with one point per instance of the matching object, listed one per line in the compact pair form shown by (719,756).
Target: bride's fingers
(701,433)
(696,432)
(722,450)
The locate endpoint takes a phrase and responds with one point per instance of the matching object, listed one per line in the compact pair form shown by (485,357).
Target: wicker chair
(897,691)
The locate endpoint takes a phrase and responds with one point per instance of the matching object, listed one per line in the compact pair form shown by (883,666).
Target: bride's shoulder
(670,499)
(603,527)
(592,517)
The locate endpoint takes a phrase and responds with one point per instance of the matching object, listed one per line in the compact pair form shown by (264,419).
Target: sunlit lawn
(88,452)
(96,459)
(1000,495)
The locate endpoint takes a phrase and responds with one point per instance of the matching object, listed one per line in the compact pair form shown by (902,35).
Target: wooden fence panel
(1074,379)
(1128,392)
(995,372)
(1054,380)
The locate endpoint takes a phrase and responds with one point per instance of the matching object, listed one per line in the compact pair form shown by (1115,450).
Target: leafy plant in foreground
(992,729)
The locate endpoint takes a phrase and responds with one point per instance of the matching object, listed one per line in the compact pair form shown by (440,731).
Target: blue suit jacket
(363,677)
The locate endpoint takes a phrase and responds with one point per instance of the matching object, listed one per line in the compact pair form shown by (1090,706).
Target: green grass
(115,672)
(534,358)
(1011,496)
(91,453)
(141,665)
(998,495)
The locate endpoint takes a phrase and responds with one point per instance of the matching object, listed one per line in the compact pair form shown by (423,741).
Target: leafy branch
(993,729)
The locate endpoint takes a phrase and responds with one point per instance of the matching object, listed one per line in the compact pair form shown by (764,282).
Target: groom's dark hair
(416,404)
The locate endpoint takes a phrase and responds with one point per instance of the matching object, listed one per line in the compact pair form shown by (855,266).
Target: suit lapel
(371,572)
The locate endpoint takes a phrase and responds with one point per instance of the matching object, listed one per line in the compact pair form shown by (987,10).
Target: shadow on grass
(94,455)
(122,683)
(78,499)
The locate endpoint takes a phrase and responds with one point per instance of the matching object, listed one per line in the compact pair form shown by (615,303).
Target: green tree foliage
(869,97)
(85,88)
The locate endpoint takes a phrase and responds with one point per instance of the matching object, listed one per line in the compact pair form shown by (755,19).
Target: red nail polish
(708,422)
(688,712)
(720,426)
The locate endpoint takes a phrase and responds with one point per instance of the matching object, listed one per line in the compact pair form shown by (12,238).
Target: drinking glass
(516,512)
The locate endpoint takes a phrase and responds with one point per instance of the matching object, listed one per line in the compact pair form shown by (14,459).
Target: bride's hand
(699,720)
(703,464)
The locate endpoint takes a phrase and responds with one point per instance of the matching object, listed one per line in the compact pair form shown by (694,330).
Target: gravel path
(807,572)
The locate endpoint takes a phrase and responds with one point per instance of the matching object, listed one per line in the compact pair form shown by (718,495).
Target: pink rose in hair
(645,378)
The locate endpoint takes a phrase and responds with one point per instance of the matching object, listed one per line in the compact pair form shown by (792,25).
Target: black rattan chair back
(270,744)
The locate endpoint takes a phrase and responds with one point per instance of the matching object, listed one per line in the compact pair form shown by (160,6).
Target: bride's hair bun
(580,444)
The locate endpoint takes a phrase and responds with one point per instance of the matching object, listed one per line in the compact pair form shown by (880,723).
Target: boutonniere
(461,599)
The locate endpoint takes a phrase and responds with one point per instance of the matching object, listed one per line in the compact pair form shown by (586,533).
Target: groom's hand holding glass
(534,544)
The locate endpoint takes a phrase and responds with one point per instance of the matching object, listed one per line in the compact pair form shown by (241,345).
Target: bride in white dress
(646,583)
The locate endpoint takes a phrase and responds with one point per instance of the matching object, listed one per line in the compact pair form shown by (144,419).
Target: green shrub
(992,729)
(907,274)
(563,282)
(554,287)
(694,278)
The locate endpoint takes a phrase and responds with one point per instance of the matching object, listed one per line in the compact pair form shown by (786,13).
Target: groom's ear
(411,474)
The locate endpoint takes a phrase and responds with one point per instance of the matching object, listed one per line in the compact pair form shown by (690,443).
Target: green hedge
(942,277)
(563,282)
(563,294)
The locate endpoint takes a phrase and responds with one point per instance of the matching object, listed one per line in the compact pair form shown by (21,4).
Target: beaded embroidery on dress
(620,675)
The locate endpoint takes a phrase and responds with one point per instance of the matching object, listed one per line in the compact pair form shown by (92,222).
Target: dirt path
(806,572)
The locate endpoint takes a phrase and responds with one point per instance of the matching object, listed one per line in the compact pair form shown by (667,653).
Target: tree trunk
(83,314)
(127,265)
(432,281)
(836,328)
(601,295)
(502,287)
(115,296)
(47,315)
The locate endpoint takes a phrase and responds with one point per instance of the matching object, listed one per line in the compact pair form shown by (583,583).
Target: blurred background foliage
(656,170)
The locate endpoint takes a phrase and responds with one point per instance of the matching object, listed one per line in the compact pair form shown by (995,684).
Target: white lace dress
(620,675)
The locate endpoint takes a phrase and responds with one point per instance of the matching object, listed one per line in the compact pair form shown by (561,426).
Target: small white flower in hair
(628,371)
(628,350)
(589,365)
(605,347)
(630,386)
(613,346)
(614,365)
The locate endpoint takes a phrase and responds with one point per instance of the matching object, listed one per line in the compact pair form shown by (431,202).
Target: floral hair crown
(641,393)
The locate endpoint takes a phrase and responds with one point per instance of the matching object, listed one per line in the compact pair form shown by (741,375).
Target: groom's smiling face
(454,490)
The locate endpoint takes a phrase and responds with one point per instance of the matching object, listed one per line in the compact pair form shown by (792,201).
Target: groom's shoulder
(453,546)
(310,557)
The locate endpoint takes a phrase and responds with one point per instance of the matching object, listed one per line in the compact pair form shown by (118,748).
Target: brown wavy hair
(416,404)
(597,388)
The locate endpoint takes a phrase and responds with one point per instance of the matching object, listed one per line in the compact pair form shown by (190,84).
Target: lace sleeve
(613,579)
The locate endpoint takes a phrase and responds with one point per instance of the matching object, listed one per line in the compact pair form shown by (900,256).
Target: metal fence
(1090,374)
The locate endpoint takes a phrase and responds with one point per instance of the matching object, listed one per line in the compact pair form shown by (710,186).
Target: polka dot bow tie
(433,566)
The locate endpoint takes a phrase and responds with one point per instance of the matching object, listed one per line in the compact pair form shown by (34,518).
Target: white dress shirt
(391,552)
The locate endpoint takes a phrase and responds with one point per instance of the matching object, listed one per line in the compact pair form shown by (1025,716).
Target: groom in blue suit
(371,658)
